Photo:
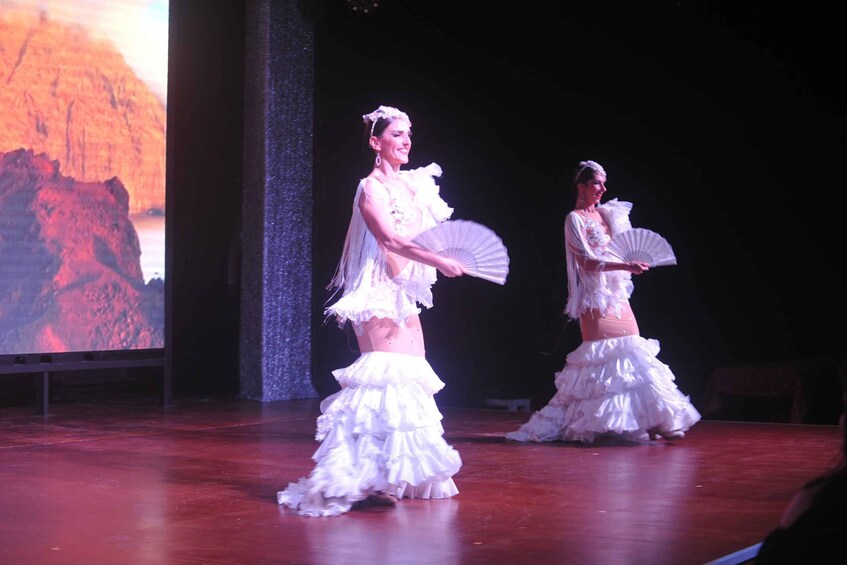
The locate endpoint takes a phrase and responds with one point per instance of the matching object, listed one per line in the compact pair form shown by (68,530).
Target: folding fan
(480,251)
(639,244)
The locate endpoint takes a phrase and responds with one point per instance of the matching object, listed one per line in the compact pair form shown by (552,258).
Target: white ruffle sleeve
(616,213)
(427,192)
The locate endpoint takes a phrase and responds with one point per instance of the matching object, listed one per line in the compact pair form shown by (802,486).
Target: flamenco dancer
(381,434)
(612,383)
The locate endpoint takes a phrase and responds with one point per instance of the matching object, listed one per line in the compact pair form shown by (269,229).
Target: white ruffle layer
(381,432)
(396,298)
(612,386)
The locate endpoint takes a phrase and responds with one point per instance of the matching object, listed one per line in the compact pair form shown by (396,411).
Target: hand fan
(639,244)
(480,251)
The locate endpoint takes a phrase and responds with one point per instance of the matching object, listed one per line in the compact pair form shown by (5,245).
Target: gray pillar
(276,238)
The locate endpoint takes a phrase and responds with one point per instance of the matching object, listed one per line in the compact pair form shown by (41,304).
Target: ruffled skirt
(613,386)
(381,432)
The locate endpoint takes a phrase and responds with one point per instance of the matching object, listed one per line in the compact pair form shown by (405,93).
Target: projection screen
(82,175)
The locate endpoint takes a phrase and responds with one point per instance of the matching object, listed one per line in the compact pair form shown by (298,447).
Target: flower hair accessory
(386,113)
(593,165)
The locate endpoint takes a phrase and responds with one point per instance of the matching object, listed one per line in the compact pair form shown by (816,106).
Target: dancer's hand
(451,268)
(637,267)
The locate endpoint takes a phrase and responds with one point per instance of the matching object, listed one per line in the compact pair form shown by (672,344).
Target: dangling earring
(378,160)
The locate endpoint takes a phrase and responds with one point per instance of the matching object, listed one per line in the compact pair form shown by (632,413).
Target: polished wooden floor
(129,482)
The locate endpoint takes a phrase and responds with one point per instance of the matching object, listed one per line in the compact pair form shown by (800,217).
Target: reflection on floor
(127,481)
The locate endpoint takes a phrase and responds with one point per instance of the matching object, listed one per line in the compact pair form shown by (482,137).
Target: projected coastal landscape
(82,175)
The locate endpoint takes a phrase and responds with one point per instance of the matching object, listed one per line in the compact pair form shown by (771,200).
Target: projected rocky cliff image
(82,177)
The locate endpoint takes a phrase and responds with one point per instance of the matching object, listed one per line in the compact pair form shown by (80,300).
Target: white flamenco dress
(614,386)
(382,432)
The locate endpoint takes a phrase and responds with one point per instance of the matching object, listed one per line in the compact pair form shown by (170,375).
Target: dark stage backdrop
(205,154)
(723,124)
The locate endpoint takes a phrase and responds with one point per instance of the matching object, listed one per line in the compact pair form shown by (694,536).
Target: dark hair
(585,172)
(378,127)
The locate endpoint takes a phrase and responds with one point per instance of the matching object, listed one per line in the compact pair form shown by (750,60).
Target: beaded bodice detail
(596,236)
(405,213)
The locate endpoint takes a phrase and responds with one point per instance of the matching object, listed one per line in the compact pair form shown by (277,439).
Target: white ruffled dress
(382,431)
(614,386)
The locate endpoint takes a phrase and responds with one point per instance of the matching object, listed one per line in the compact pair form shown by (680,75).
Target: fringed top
(363,274)
(589,287)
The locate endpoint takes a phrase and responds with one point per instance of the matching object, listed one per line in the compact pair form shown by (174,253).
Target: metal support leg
(42,394)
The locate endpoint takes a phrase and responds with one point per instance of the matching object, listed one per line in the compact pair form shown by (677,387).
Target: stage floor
(131,482)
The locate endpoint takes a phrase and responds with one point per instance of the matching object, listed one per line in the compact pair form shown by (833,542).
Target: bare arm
(634,267)
(374,209)
(575,240)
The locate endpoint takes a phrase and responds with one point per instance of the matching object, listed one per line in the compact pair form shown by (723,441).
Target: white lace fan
(639,244)
(480,251)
